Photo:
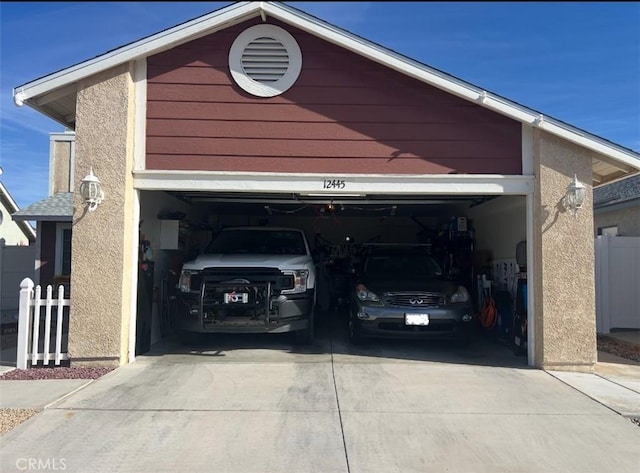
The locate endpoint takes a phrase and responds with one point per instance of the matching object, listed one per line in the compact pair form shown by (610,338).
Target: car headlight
(365,294)
(461,295)
(184,283)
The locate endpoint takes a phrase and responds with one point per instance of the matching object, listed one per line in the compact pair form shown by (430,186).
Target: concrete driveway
(258,404)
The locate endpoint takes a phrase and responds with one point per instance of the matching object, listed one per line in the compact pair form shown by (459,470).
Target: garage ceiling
(296,205)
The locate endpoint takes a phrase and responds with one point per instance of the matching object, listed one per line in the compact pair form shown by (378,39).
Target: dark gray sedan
(401,293)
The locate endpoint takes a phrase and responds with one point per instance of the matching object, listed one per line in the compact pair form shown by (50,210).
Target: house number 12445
(334,184)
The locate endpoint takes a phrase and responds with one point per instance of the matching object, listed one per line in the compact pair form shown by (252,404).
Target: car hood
(266,261)
(380,286)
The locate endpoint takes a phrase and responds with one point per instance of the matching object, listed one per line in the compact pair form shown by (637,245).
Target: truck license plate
(236,297)
(416,319)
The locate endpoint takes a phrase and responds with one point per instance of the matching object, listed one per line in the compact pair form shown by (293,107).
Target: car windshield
(402,266)
(266,242)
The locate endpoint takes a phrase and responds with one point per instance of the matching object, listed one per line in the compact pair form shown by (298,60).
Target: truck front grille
(279,281)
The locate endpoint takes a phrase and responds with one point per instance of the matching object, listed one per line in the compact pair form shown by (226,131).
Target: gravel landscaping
(616,347)
(10,418)
(59,372)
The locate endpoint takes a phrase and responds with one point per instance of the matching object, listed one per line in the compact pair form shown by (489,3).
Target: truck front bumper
(283,313)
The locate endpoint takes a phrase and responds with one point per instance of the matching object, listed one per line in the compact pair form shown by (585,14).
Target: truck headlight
(184,283)
(461,295)
(300,278)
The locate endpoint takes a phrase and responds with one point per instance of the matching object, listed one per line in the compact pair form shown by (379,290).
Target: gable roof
(58,207)
(10,204)
(618,192)
(55,94)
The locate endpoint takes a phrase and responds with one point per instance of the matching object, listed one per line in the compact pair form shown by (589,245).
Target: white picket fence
(30,317)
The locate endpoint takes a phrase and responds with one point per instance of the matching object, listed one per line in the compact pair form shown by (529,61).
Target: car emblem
(416,301)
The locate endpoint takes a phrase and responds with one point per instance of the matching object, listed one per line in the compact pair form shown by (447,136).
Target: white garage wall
(500,224)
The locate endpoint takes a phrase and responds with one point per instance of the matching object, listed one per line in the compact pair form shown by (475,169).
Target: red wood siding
(345,114)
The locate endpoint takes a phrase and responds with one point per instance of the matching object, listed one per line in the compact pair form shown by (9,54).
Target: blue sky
(575,61)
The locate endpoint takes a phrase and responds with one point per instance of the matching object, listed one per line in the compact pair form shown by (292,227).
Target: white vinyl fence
(41,334)
(617,271)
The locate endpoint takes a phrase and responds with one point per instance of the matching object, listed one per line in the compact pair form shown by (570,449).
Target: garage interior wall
(152,205)
(500,225)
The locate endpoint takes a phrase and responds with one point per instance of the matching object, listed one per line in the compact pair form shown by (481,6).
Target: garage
(283,140)
(470,235)
(259,114)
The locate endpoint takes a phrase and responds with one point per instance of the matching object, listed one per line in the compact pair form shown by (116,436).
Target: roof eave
(154,44)
(617,205)
(7,200)
(42,218)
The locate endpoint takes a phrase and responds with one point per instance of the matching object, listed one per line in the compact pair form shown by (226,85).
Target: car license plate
(236,297)
(416,319)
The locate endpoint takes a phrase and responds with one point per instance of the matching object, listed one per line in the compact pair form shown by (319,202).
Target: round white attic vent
(265,60)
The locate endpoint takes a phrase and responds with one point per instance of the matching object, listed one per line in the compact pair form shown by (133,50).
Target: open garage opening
(478,241)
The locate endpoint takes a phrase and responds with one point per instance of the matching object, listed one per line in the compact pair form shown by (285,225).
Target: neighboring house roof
(618,192)
(55,94)
(11,206)
(58,207)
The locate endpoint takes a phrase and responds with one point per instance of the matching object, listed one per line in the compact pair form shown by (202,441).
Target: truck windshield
(264,242)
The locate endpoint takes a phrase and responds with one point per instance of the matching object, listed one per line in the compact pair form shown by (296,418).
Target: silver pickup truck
(249,280)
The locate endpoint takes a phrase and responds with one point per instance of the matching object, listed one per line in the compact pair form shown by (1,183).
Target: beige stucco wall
(563,273)
(102,263)
(61,165)
(627,220)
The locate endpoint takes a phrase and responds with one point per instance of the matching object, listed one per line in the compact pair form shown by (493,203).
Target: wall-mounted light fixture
(575,196)
(91,191)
